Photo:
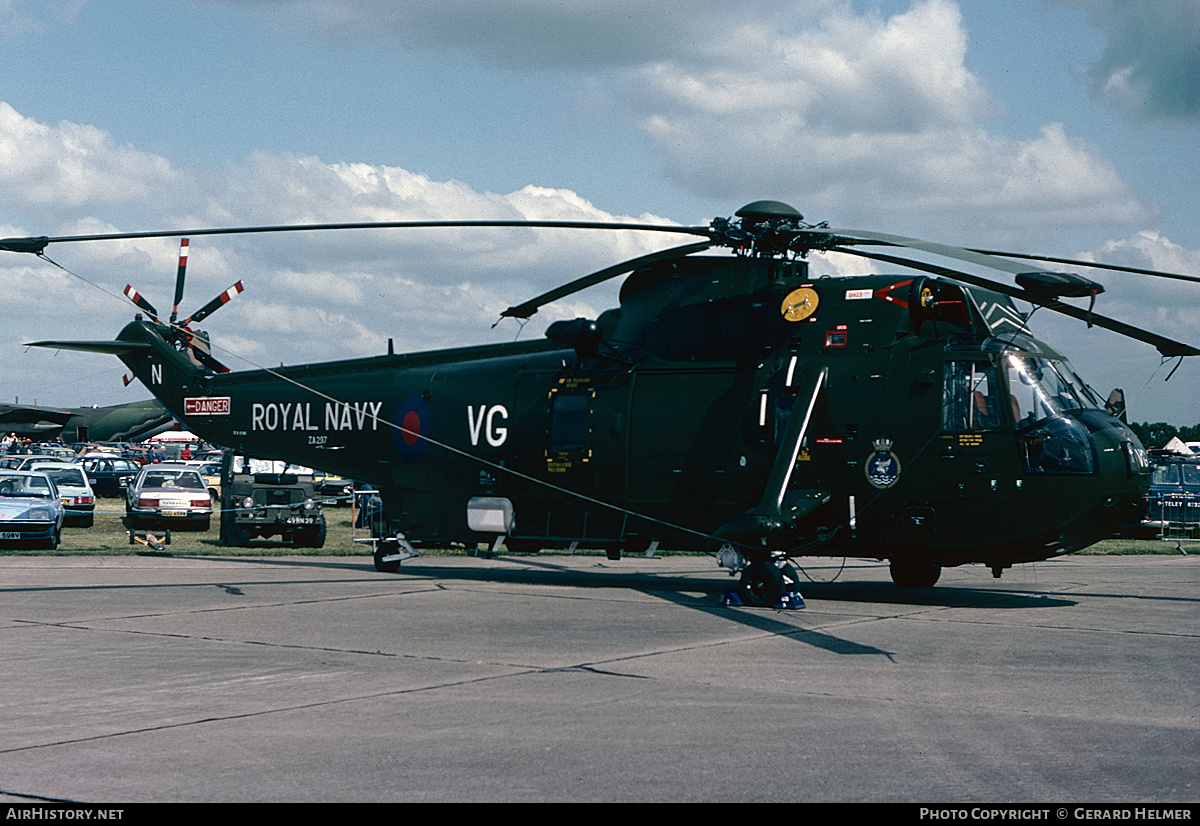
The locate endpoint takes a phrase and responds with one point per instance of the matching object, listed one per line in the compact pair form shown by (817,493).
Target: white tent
(1176,445)
(175,436)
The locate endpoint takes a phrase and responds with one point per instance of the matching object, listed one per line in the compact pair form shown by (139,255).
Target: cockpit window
(1041,388)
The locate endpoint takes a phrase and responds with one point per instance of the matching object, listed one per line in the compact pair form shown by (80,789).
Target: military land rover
(262,499)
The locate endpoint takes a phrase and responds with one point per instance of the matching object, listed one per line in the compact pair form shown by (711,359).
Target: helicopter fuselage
(930,425)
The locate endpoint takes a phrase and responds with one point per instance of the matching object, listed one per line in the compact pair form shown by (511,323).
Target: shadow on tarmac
(543,571)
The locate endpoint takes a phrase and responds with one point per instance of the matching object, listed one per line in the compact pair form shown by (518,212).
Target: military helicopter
(735,404)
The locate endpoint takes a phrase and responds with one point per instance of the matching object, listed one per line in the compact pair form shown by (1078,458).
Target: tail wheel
(761,584)
(387,549)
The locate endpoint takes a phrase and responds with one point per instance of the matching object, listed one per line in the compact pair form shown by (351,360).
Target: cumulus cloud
(866,109)
(808,100)
(309,296)
(1150,67)
(45,169)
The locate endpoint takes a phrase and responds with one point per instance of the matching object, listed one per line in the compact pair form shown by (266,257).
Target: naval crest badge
(882,467)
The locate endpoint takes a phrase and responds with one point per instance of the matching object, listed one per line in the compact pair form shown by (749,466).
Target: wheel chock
(788,600)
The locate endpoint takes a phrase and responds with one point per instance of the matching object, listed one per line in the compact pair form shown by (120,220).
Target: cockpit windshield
(1042,388)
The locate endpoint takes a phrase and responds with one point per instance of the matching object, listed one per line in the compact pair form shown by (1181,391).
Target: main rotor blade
(1167,347)
(985,258)
(37,244)
(530,307)
(1075,263)
(842,237)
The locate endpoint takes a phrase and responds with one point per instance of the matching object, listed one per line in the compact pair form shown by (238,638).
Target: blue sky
(1067,127)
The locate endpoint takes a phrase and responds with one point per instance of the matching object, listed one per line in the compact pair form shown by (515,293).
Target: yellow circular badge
(799,304)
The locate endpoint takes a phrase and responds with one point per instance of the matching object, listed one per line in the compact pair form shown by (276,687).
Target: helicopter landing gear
(763,584)
(907,573)
(390,552)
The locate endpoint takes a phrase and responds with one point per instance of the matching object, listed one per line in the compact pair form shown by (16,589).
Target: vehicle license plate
(10,535)
(174,513)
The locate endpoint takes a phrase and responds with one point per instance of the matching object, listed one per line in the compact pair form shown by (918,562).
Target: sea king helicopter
(732,403)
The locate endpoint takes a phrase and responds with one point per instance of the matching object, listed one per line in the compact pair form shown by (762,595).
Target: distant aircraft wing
(30,420)
(130,422)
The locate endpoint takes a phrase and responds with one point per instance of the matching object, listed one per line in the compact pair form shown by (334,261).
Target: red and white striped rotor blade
(211,307)
(136,297)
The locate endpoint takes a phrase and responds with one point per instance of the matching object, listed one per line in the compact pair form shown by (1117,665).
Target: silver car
(31,512)
(172,496)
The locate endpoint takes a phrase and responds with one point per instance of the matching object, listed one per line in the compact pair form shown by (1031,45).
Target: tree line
(1159,433)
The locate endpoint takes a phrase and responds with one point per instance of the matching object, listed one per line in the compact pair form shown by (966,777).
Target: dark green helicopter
(731,403)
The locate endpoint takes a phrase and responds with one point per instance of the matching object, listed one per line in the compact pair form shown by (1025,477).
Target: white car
(76,492)
(168,495)
(31,512)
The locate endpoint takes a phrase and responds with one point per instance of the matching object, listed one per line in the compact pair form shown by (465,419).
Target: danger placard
(207,406)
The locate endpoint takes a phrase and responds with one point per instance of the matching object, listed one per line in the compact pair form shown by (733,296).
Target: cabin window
(569,422)
(970,396)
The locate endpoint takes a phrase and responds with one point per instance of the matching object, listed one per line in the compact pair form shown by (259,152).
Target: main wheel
(761,584)
(387,549)
(907,573)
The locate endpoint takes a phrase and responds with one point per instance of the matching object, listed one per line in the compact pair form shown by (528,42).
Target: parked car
(25,461)
(31,512)
(168,495)
(1173,501)
(73,488)
(108,474)
(211,472)
(333,490)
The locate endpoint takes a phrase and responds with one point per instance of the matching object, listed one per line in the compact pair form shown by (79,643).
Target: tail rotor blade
(208,361)
(183,256)
(212,306)
(136,297)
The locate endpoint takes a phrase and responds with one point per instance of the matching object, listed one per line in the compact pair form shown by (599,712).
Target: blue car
(31,510)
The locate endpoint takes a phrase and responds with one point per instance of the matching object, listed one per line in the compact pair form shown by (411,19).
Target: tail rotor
(194,342)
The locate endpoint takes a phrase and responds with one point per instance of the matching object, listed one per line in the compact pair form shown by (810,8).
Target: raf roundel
(412,428)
